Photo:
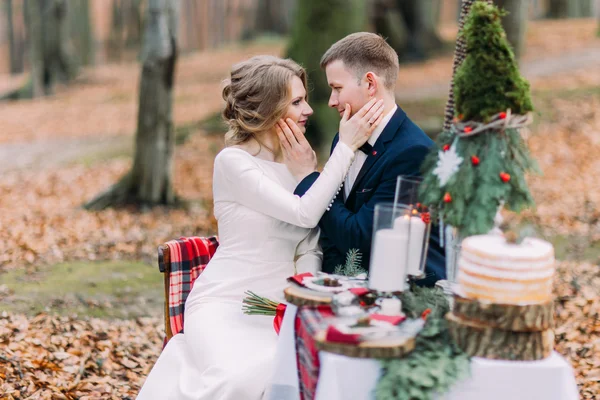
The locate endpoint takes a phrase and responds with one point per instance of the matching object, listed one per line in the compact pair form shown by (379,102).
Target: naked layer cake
(492,269)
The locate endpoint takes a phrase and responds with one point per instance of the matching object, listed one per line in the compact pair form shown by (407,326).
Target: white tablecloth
(342,378)
(284,385)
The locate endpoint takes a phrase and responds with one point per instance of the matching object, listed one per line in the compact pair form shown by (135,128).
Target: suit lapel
(379,148)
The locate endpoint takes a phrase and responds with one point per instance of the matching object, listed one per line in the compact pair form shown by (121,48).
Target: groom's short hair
(362,52)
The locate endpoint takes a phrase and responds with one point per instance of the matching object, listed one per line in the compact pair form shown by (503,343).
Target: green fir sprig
(435,364)
(352,267)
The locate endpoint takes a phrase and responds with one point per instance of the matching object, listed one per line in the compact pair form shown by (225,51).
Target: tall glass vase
(453,241)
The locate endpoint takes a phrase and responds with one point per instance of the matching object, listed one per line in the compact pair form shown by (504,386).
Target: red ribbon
(278,317)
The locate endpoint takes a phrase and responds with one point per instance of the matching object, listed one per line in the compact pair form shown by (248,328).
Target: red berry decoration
(505,177)
(447,198)
(502,115)
(460,117)
(475,160)
(425,313)
(468,129)
(426,217)
(446,147)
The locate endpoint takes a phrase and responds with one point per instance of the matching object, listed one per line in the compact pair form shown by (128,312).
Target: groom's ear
(372,83)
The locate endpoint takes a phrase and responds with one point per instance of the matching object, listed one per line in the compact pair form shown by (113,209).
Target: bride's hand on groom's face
(355,131)
(298,156)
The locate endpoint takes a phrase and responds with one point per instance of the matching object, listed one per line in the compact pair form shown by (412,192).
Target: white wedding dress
(266,234)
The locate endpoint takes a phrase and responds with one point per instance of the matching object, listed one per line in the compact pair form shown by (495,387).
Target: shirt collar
(377,132)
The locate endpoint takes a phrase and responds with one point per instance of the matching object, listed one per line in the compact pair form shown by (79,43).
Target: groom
(360,67)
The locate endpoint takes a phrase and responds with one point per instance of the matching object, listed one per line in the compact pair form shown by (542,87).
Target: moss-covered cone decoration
(488,81)
(466,178)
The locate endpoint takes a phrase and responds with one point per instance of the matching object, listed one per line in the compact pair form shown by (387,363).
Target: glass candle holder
(415,226)
(388,267)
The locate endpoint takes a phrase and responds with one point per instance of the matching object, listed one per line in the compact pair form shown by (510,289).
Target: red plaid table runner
(189,257)
(309,320)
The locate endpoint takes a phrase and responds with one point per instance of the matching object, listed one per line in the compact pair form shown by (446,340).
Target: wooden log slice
(510,317)
(381,348)
(479,340)
(300,296)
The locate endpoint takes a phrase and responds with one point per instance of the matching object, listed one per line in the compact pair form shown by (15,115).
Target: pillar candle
(415,227)
(387,272)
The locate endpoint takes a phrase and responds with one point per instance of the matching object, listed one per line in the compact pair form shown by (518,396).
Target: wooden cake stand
(502,331)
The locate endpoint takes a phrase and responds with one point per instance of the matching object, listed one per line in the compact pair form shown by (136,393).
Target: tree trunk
(36,49)
(388,22)
(82,31)
(273,16)
(133,23)
(317,26)
(515,23)
(15,40)
(419,18)
(115,39)
(428,15)
(149,182)
(558,9)
(50,54)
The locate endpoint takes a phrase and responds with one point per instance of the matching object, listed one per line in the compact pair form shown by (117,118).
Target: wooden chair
(179,273)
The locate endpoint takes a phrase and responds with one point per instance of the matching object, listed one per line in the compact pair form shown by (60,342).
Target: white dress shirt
(361,157)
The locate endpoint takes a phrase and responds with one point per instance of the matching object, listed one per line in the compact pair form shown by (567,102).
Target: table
(340,377)
(343,378)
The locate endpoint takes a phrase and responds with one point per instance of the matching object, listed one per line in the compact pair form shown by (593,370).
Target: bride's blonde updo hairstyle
(257,95)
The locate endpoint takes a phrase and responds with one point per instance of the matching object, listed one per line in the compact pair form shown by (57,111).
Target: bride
(266,233)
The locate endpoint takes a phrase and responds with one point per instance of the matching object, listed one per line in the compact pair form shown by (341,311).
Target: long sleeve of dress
(309,256)
(252,188)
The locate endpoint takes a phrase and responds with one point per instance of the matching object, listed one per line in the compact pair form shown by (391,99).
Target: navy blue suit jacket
(399,150)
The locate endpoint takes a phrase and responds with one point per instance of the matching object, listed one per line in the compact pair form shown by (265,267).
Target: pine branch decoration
(487,87)
(436,363)
(352,267)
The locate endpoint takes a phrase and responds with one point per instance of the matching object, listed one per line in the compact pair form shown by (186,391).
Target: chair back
(181,261)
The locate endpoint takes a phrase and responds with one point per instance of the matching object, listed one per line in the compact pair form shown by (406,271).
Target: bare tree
(16,38)
(515,22)
(317,26)
(82,31)
(150,180)
(410,26)
(274,16)
(558,9)
(50,54)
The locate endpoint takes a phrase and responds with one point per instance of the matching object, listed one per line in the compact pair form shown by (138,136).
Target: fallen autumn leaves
(47,357)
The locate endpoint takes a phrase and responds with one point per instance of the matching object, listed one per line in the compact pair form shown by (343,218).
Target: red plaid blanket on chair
(188,258)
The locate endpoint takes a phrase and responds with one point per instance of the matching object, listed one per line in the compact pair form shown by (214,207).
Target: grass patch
(120,147)
(113,289)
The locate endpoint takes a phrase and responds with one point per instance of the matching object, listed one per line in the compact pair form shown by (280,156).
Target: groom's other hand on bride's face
(298,156)
(356,130)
